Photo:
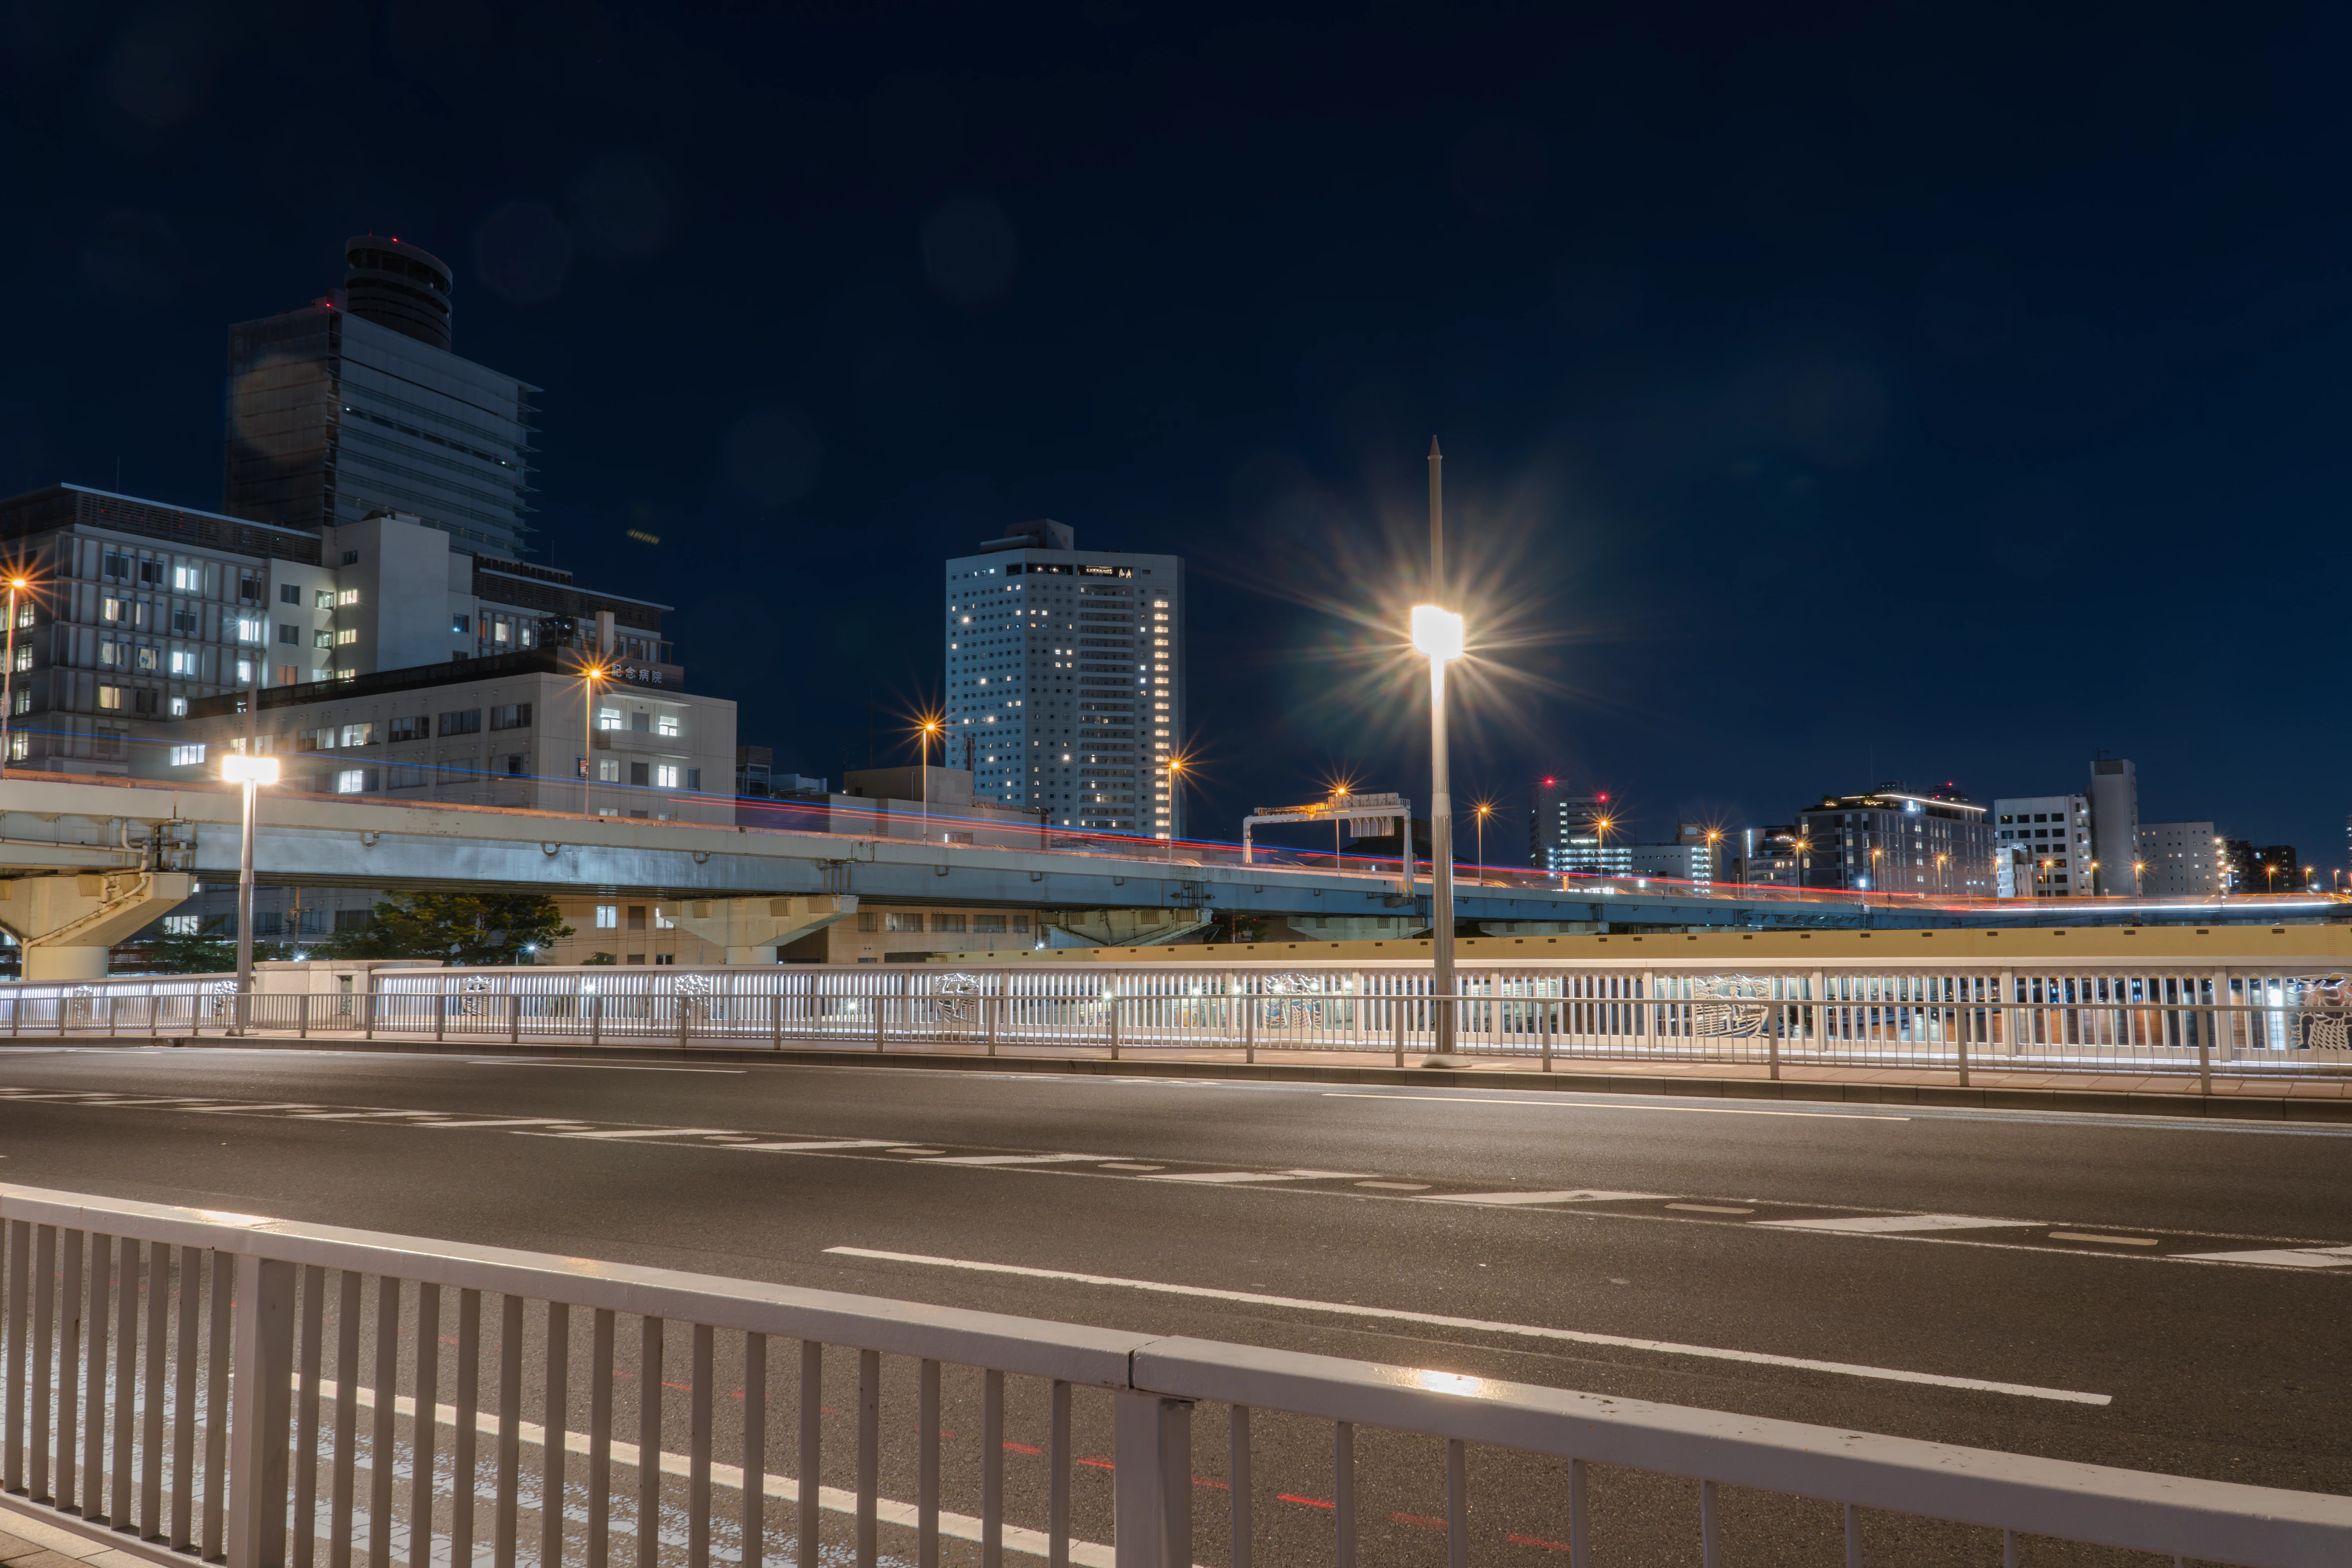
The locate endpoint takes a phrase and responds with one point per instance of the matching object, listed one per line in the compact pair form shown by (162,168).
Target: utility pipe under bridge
(132,848)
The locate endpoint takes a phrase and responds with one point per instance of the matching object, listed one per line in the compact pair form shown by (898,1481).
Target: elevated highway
(133,848)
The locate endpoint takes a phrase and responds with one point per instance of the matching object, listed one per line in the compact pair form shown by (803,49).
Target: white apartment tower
(2043,846)
(1064,679)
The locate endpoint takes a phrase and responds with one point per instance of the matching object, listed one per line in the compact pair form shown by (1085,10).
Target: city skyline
(1650,456)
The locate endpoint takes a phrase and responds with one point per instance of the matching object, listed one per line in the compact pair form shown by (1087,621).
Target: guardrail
(230,1387)
(1953,1017)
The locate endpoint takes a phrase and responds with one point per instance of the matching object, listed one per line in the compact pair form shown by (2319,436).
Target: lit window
(179,707)
(665,775)
(608,917)
(181,925)
(666,724)
(110,697)
(187,756)
(348,636)
(347,596)
(325,599)
(350,781)
(24,657)
(359,734)
(608,770)
(111,610)
(608,718)
(663,920)
(188,579)
(183,661)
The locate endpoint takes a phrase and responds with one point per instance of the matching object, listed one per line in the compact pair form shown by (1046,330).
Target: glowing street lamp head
(1436,634)
(239,769)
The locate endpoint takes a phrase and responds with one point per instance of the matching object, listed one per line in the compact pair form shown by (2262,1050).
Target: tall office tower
(1567,832)
(2115,822)
(1066,679)
(353,406)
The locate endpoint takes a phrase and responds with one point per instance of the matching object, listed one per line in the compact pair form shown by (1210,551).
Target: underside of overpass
(85,862)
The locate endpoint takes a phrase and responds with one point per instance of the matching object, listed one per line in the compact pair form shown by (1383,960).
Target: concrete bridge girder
(750,930)
(64,924)
(1127,928)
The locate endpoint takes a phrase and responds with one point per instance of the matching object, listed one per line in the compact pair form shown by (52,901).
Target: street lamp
(1486,808)
(1942,887)
(1437,635)
(252,772)
(16,584)
(590,675)
(1176,766)
(2095,875)
(930,726)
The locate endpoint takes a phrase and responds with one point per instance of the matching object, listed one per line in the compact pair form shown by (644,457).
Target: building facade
(2115,826)
(1064,679)
(137,610)
(1895,840)
(355,405)
(2045,845)
(507,731)
(1569,832)
(1770,857)
(2179,859)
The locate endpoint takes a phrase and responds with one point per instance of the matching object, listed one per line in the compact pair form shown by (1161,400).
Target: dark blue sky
(1833,393)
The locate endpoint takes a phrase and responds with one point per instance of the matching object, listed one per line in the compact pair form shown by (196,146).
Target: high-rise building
(2044,846)
(1571,832)
(2115,824)
(1895,840)
(354,405)
(2179,859)
(1064,679)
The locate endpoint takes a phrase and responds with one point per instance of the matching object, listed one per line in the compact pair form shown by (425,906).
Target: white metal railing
(230,1387)
(1955,1017)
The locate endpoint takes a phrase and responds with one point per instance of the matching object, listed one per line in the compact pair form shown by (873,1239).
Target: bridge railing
(1955,1017)
(257,1393)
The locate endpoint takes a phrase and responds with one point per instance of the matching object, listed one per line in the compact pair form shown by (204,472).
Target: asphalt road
(1807,1263)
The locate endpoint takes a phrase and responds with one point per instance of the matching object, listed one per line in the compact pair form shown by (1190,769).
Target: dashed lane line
(1550,1104)
(1749,1213)
(1484,1325)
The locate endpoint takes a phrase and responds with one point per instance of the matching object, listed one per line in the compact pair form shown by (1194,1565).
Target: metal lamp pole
(252,772)
(1437,634)
(928,725)
(8,673)
(589,676)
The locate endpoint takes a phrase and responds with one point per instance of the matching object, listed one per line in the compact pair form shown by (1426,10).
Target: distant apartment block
(2179,859)
(1897,840)
(2045,845)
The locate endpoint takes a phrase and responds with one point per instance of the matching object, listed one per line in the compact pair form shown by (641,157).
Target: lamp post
(1486,810)
(252,772)
(590,674)
(1175,784)
(1941,886)
(930,726)
(1438,635)
(16,585)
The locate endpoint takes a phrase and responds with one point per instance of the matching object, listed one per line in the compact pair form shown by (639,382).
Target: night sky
(1830,394)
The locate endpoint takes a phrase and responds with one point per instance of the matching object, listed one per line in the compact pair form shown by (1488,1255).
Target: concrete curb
(2109,1102)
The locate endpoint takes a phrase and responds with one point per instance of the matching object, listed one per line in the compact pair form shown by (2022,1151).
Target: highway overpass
(85,862)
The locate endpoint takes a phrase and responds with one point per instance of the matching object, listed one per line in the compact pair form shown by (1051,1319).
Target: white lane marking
(512,1122)
(1578,1196)
(2299,1258)
(1004,1159)
(1575,1336)
(625,1134)
(1592,1105)
(784,1488)
(603,1067)
(2107,1240)
(807,1148)
(1891,1224)
(240,1110)
(1222,1177)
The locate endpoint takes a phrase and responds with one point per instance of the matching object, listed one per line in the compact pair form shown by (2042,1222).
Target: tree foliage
(210,950)
(463,928)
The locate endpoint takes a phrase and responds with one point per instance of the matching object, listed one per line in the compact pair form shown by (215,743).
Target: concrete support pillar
(64,924)
(750,930)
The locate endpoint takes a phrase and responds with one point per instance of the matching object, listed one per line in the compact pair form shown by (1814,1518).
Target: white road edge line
(784,1488)
(1590,1105)
(1439,1320)
(608,1066)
